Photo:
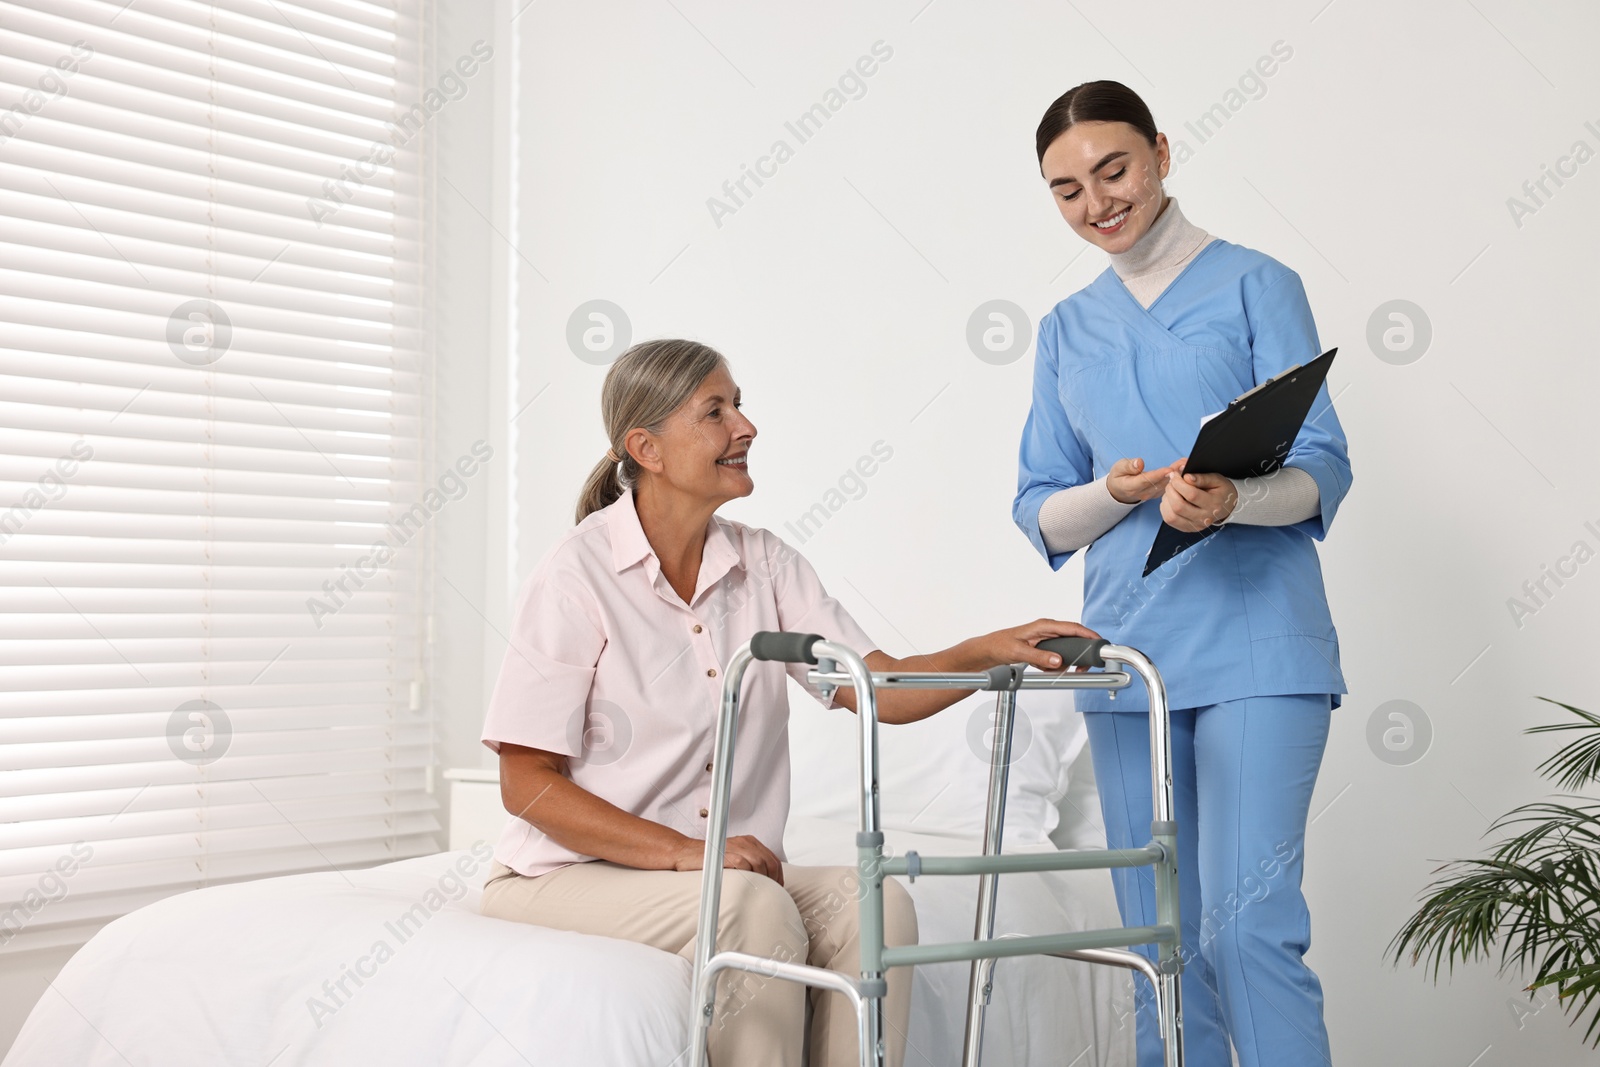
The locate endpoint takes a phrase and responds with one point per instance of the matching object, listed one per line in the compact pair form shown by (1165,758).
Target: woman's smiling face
(703,449)
(1102,172)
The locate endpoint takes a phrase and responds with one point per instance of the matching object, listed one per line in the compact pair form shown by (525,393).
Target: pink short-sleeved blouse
(608,666)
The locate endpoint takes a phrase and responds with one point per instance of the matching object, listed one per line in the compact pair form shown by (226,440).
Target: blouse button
(712,673)
(708,766)
(698,627)
(704,812)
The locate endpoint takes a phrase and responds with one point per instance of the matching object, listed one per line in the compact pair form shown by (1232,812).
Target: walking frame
(837,666)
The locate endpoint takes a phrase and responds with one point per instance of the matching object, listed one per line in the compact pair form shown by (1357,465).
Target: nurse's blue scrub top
(1243,613)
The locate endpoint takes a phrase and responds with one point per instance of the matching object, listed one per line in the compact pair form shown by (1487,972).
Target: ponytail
(602,488)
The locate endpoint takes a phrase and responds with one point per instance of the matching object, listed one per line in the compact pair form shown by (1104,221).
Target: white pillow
(934,774)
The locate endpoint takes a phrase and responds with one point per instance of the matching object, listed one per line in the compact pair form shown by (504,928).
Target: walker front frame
(837,666)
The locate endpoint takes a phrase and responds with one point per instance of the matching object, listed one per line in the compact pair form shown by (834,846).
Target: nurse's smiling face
(1107,173)
(703,449)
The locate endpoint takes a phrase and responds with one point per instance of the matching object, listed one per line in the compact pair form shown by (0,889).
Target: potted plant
(1535,899)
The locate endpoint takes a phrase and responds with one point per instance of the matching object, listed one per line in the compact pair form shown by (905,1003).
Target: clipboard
(1247,439)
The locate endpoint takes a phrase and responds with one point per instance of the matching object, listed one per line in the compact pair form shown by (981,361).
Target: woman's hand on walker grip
(1016,645)
(1129,483)
(743,853)
(1194,502)
(999,649)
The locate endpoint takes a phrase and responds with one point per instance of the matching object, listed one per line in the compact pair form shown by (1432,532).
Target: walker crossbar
(838,667)
(917,865)
(1037,945)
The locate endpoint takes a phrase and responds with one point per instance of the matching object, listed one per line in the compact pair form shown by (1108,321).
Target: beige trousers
(759,1022)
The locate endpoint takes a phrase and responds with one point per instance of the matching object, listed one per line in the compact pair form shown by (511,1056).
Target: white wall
(1377,163)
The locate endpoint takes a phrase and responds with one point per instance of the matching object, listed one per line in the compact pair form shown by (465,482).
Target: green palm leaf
(1578,762)
(1532,904)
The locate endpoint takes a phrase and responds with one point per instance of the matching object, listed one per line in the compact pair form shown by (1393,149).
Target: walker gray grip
(784,647)
(1076,651)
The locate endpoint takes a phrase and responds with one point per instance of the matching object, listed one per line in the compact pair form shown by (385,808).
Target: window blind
(212,564)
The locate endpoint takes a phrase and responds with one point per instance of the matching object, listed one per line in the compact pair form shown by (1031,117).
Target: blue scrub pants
(1242,773)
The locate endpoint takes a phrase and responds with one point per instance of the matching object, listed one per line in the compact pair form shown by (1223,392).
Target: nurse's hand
(1129,483)
(1194,502)
(743,853)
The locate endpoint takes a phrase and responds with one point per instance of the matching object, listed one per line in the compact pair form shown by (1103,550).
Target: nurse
(1179,324)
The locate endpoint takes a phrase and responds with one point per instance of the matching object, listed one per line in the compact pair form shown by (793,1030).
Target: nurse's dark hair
(1101,101)
(646,384)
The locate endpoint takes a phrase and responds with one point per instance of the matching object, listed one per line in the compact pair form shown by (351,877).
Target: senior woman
(605,711)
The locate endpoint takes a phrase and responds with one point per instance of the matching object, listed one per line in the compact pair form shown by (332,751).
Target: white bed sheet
(235,975)
(225,976)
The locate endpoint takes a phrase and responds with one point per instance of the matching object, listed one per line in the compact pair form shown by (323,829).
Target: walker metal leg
(869,868)
(703,982)
(874,1050)
(1163,832)
(1168,1007)
(981,983)
(867,994)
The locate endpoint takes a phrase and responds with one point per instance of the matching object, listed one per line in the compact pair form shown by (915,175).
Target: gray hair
(646,384)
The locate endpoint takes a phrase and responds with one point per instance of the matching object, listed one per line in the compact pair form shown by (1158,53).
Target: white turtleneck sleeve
(1075,517)
(1286,496)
